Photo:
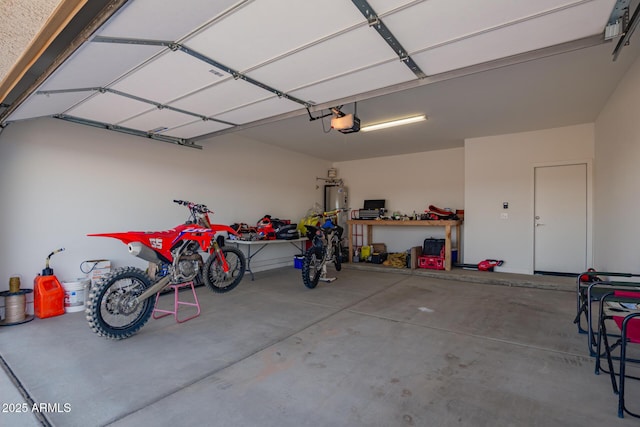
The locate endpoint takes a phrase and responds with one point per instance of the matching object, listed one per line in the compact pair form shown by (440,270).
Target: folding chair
(582,283)
(623,307)
(593,292)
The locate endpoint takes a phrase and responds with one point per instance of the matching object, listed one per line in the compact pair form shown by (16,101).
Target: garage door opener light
(393,123)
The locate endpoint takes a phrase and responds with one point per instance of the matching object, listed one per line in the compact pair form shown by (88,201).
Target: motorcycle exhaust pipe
(142,251)
(154,289)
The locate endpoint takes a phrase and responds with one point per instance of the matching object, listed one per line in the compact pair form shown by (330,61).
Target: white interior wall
(60,181)
(617,154)
(500,169)
(408,183)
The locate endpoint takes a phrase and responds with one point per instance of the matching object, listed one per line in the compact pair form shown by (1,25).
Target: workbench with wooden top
(447,224)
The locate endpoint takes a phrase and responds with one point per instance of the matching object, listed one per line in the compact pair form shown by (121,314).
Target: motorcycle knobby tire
(219,281)
(107,310)
(312,267)
(337,256)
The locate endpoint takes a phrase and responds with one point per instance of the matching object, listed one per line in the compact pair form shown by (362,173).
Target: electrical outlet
(504,215)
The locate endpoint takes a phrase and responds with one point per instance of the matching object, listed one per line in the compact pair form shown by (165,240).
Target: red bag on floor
(489,264)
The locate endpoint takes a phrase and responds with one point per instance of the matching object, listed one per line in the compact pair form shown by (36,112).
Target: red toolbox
(431,262)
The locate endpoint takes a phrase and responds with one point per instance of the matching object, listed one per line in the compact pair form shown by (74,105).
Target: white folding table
(261,244)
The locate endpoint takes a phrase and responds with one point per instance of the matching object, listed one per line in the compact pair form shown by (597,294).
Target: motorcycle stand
(323,276)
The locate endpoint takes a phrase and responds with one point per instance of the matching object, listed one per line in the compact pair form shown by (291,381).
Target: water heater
(336,197)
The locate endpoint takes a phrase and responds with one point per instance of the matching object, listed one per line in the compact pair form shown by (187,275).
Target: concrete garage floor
(369,349)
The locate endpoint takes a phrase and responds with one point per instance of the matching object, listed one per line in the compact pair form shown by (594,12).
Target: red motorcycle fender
(205,236)
(125,238)
(201,235)
(217,228)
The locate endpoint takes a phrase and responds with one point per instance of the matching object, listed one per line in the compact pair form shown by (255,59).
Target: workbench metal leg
(249,256)
(301,247)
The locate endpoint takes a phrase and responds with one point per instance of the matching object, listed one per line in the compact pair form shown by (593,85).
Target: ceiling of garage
(189,72)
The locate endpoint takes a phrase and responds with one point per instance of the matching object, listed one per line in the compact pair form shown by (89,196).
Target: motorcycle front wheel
(214,276)
(112,310)
(337,256)
(312,267)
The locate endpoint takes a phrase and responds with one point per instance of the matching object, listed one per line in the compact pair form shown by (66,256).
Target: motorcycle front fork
(218,251)
(328,257)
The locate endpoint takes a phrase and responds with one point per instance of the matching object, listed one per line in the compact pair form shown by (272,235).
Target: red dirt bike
(122,302)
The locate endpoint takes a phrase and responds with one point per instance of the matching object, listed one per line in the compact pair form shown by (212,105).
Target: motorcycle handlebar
(329,213)
(193,206)
(332,213)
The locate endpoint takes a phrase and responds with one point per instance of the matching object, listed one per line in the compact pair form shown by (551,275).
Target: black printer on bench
(372,209)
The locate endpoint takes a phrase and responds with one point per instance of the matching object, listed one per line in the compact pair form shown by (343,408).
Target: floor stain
(408,419)
(272,363)
(318,365)
(331,332)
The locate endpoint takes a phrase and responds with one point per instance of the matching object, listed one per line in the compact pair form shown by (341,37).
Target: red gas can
(48,299)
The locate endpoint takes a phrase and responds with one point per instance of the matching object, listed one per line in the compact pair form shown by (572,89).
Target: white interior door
(560,222)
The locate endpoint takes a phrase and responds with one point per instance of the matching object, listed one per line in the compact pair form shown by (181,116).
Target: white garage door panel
(157,119)
(266,29)
(109,108)
(47,105)
(259,110)
(197,128)
(168,77)
(222,97)
(348,52)
(510,40)
(98,64)
(383,75)
(433,22)
(163,20)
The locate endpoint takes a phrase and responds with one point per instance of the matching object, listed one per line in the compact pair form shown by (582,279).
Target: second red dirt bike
(122,302)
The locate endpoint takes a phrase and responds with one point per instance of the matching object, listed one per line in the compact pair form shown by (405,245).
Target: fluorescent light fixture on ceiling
(393,123)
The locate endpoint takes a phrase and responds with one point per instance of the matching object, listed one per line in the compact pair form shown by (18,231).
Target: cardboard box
(379,247)
(96,269)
